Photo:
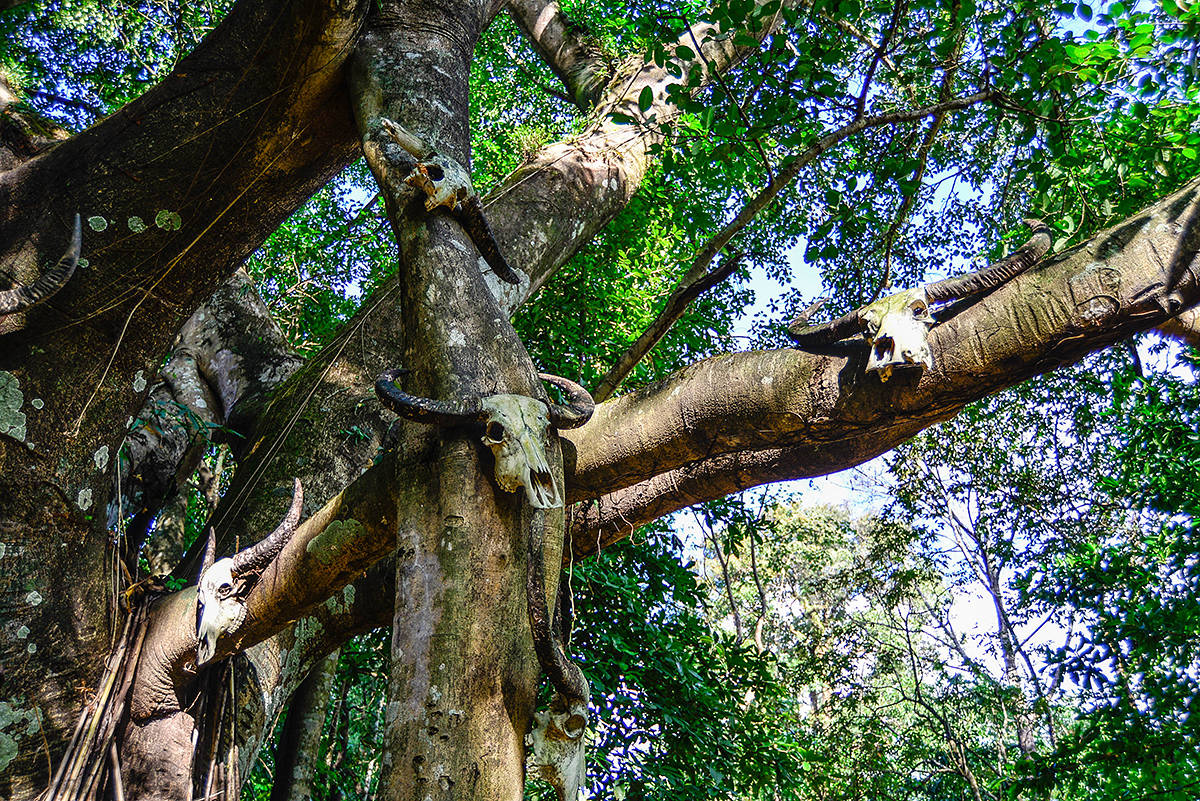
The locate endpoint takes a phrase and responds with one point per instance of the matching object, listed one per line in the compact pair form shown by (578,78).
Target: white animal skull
(443,180)
(224,584)
(898,330)
(220,606)
(558,745)
(515,430)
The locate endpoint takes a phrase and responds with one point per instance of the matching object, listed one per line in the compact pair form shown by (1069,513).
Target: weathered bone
(22,297)
(577,411)
(579,406)
(210,551)
(515,432)
(557,745)
(898,330)
(256,558)
(992,276)
(447,184)
(558,736)
(224,584)
(943,291)
(515,427)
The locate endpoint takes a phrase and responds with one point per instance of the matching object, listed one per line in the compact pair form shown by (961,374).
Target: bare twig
(682,296)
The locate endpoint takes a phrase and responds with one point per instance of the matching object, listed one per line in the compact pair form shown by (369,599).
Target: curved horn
(579,406)
(210,551)
(54,279)
(424,410)
(994,275)
(826,333)
(257,557)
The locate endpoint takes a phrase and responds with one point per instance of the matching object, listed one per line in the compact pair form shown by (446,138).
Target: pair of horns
(963,286)
(20,298)
(256,558)
(576,412)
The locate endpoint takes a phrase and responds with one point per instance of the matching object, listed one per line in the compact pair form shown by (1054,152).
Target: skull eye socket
(435,172)
(495,431)
(224,589)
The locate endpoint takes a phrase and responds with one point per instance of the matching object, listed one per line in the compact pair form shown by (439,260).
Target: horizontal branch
(697,279)
(740,420)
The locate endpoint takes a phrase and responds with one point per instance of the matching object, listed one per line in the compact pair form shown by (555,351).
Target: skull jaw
(220,607)
(901,342)
(883,361)
(541,491)
(215,620)
(559,745)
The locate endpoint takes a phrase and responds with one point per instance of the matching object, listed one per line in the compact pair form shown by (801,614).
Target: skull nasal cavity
(435,172)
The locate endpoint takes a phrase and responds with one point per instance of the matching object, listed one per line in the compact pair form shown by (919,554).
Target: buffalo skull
(557,745)
(515,428)
(224,584)
(897,326)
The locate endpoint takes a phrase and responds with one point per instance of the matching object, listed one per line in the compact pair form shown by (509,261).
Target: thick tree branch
(697,279)
(176,188)
(567,48)
(228,356)
(541,215)
(737,421)
(567,191)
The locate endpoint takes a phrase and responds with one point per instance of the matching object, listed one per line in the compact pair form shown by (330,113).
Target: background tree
(747,126)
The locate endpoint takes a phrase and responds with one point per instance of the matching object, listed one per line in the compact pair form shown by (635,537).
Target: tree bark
(213,145)
(247,127)
(737,421)
(299,744)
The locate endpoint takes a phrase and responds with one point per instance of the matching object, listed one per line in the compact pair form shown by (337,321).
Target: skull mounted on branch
(557,745)
(20,298)
(897,326)
(224,584)
(447,185)
(514,428)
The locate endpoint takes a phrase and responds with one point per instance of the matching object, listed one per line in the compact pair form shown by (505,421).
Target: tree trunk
(298,749)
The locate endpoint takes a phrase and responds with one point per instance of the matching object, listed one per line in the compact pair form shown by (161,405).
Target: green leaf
(646,98)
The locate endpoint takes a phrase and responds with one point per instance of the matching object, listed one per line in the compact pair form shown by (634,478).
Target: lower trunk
(300,740)
(55,624)
(463,670)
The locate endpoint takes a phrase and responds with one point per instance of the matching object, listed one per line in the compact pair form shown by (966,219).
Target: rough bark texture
(300,739)
(463,675)
(246,129)
(231,143)
(736,421)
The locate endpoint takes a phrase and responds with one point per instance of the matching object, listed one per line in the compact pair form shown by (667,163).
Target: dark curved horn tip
(258,556)
(580,404)
(210,551)
(424,410)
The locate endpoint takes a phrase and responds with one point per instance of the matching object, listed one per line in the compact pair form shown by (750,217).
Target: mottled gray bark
(737,421)
(733,421)
(227,357)
(297,751)
(175,190)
